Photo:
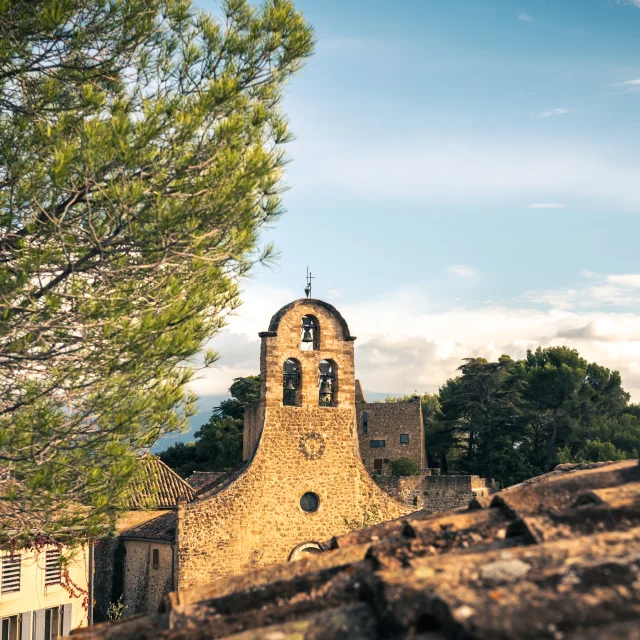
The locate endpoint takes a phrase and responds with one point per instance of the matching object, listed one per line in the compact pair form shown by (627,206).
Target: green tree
(591,451)
(566,396)
(404,467)
(481,409)
(141,151)
(218,443)
(510,420)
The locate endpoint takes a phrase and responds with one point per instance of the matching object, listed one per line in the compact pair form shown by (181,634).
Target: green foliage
(404,467)
(218,443)
(141,153)
(115,610)
(593,451)
(511,420)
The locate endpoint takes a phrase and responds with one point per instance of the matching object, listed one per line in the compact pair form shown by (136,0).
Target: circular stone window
(309,502)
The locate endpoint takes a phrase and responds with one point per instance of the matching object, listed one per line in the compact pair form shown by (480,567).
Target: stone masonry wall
(106,560)
(253,421)
(258,519)
(435,493)
(387,421)
(145,586)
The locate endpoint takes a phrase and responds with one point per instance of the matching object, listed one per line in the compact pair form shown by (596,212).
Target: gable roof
(162,528)
(555,558)
(202,481)
(157,486)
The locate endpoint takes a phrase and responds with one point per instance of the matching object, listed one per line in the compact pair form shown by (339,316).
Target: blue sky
(465,181)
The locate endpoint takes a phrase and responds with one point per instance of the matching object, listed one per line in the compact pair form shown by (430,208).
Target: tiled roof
(202,481)
(222,481)
(162,528)
(157,486)
(557,558)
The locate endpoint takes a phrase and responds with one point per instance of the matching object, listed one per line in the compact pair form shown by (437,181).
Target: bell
(325,368)
(288,385)
(325,388)
(306,335)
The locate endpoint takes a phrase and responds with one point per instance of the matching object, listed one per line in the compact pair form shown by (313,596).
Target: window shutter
(38,624)
(25,621)
(66,619)
(53,568)
(10,573)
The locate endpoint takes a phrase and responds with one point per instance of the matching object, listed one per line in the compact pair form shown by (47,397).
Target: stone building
(137,562)
(302,479)
(388,431)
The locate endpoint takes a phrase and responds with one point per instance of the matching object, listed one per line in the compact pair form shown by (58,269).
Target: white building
(44,593)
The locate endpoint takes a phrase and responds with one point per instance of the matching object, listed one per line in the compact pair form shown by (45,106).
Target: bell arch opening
(327,383)
(291,383)
(310,334)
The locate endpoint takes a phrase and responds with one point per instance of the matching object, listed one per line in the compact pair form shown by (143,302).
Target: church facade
(303,480)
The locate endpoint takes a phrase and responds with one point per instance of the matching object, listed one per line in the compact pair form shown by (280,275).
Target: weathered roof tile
(557,558)
(157,486)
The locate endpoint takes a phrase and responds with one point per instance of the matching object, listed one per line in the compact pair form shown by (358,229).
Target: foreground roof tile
(557,557)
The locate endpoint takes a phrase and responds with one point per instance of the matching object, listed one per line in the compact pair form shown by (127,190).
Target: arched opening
(291,383)
(305,549)
(327,383)
(310,334)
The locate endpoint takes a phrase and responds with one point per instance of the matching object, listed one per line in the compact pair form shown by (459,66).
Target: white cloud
(462,270)
(630,86)
(627,280)
(525,17)
(473,168)
(546,205)
(634,3)
(554,112)
(405,344)
(603,291)
(334,293)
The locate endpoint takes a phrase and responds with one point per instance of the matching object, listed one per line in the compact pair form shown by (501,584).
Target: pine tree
(141,151)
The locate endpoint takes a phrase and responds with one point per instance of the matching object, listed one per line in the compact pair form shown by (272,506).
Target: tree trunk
(444,466)
(551,443)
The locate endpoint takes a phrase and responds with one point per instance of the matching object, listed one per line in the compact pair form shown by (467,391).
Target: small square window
(404,438)
(377,444)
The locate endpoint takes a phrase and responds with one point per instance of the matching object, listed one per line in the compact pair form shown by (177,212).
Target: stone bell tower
(303,480)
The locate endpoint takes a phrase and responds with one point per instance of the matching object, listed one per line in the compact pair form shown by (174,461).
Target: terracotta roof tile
(557,558)
(202,481)
(157,486)
(162,528)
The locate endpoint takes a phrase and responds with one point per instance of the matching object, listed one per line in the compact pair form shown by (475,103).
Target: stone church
(302,480)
